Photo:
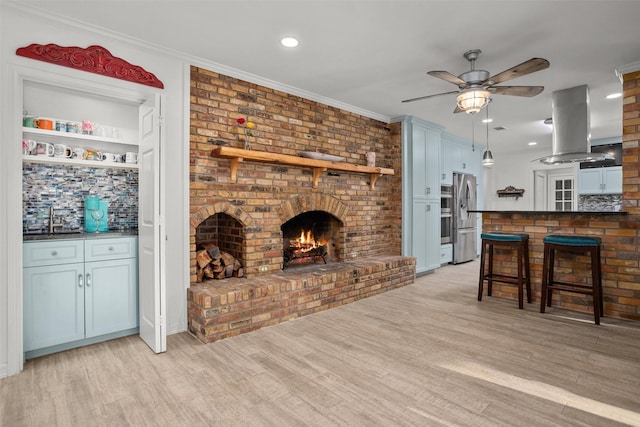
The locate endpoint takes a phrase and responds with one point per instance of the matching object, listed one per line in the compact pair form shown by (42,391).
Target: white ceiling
(373,54)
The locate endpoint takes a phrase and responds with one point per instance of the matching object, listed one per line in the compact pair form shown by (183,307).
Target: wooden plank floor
(427,354)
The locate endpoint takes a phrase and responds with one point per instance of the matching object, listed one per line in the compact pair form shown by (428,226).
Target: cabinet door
(589,181)
(53,305)
(612,180)
(426,234)
(111,296)
(426,162)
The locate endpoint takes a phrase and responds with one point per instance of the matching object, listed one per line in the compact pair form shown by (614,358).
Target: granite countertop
(552,212)
(78,235)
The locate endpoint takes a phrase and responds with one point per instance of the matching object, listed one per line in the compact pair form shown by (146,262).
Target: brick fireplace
(257,215)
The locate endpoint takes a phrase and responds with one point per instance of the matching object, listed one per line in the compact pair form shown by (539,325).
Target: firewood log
(219,275)
(216,268)
(227,259)
(228,271)
(213,249)
(208,272)
(199,275)
(203,258)
(236,265)
(238,273)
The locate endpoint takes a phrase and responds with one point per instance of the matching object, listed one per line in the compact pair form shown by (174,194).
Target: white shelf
(65,161)
(77,136)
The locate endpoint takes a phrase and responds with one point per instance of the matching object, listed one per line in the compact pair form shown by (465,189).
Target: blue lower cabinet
(111,296)
(53,305)
(77,303)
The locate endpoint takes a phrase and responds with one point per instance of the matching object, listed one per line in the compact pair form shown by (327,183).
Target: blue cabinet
(600,180)
(421,193)
(78,292)
(53,305)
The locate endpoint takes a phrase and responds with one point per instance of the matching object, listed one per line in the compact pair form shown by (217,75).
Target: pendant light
(487,157)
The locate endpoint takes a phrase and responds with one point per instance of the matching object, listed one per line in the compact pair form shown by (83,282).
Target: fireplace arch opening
(311,237)
(220,247)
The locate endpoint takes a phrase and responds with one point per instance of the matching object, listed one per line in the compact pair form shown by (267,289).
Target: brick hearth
(224,308)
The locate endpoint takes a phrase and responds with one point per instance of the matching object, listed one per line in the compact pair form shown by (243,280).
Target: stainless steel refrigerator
(464,223)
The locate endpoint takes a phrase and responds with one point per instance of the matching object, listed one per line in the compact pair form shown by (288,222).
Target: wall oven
(446,210)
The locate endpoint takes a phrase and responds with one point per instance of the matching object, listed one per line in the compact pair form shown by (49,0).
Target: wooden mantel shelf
(238,155)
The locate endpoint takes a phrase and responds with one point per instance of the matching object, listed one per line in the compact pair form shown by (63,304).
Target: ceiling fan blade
(516,90)
(527,67)
(429,96)
(458,109)
(447,76)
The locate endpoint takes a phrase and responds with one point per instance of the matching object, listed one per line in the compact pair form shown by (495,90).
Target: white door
(151,229)
(561,193)
(539,191)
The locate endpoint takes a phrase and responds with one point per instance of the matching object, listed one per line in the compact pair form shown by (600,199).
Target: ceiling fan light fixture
(473,100)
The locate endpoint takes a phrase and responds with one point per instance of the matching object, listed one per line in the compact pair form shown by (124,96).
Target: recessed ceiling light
(614,95)
(532,143)
(289,42)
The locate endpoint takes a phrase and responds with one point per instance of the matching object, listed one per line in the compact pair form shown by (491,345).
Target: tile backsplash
(600,202)
(65,186)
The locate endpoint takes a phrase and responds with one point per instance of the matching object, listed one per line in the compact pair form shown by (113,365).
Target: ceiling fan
(475,87)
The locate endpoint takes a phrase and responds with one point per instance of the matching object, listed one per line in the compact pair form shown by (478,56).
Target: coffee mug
(131,157)
(87,127)
(44,149)
(73,127)
(44,124)
(108,157)
(28,146)
(28,122)
(61,150)
(119,158)
(93,155)
(78,153)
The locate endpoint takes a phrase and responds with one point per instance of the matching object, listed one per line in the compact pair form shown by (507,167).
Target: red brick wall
(265,196)
(620,233)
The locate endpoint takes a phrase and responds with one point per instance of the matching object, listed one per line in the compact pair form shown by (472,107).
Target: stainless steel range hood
(570,114)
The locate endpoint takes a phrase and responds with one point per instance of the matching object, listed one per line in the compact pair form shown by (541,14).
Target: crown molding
(626,69)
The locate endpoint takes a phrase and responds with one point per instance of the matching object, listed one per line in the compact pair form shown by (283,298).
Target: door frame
(17,71)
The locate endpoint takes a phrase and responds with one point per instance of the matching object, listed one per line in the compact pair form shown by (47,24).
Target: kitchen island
(620,234)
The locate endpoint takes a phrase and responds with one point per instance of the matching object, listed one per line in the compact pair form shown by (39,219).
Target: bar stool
(519,242)
(582,245)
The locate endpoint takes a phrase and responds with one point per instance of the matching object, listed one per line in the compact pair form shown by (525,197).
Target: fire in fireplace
(310,237)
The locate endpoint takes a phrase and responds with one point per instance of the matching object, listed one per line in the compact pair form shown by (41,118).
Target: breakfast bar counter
(620,234)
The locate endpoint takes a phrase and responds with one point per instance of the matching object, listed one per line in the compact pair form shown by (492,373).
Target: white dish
(321,156)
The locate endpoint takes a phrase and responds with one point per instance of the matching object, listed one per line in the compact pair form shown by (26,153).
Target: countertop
(553,212)
(79,235)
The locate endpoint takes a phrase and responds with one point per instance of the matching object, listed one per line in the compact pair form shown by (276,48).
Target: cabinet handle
(427,190)
(110,248)
(80,281)
(428,208)
(54,253)
(88,280)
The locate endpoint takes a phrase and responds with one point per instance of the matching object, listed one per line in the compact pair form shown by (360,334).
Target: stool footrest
(503,278)
(572,287)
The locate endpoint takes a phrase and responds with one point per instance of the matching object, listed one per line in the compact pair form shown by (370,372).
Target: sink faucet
(52,224)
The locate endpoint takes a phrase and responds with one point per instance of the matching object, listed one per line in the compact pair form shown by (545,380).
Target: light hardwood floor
(428,354)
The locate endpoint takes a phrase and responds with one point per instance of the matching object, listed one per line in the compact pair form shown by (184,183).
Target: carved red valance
(93,59)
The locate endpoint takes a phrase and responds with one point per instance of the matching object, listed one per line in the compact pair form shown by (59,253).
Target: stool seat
(511,241)
(503,237)
(580,245)
(572,240)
